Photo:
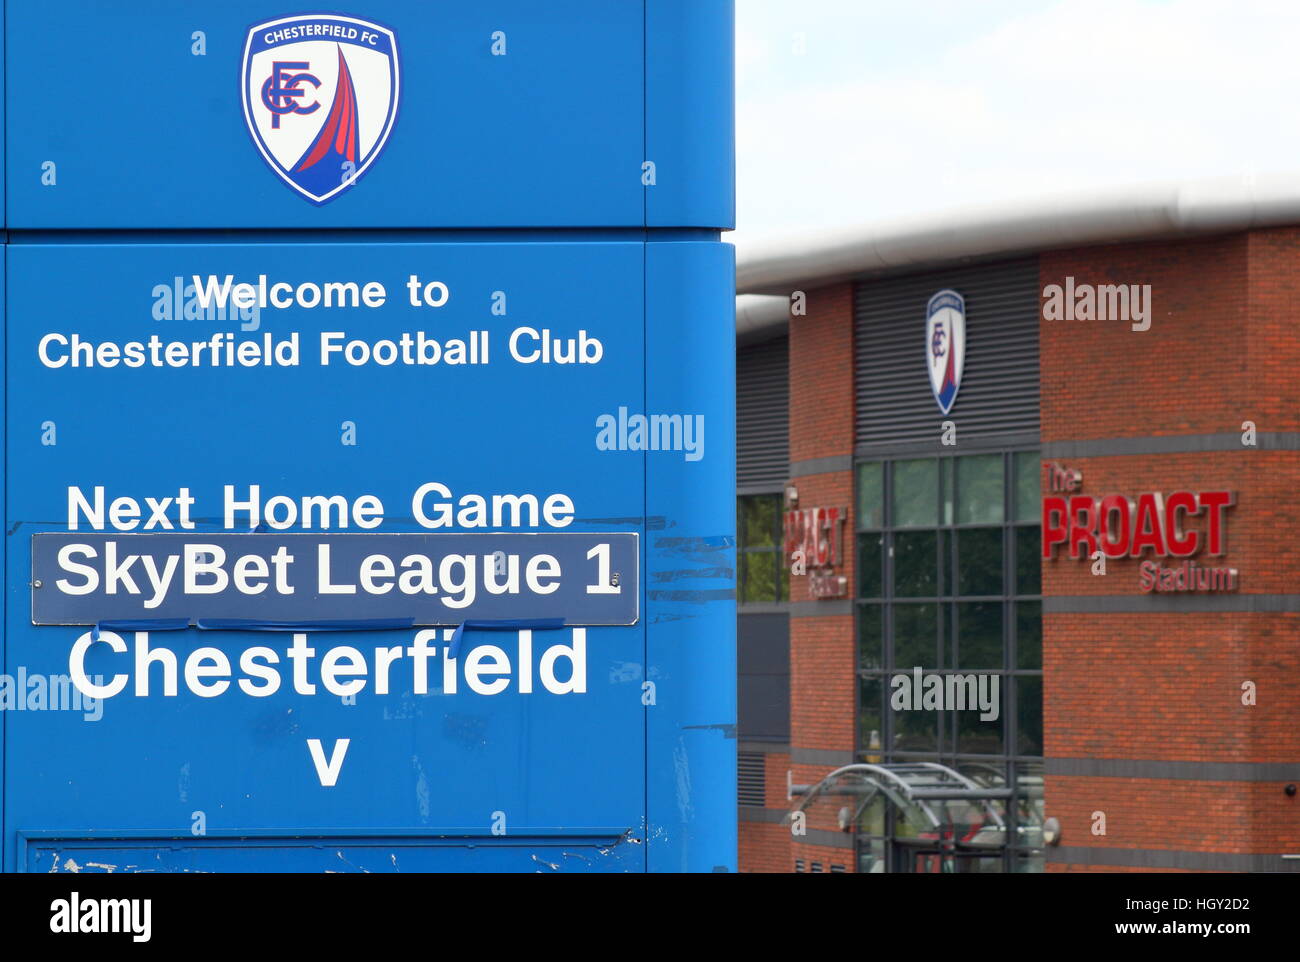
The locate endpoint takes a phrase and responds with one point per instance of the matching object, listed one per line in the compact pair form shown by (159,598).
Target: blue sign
(369,433)
(424,579)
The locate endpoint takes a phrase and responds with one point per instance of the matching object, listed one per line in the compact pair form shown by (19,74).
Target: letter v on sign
(328,772)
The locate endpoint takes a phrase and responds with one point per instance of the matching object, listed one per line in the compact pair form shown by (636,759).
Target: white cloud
(1073,94)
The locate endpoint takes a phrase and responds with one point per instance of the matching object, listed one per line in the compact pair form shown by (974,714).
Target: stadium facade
(1056,628)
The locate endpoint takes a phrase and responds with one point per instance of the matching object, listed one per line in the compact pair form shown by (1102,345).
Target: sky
(858,111)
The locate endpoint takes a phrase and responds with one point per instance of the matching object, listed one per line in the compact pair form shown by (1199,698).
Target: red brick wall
(821,375)
(822,665)
(1166,685)
(1188,374)
(777,765)
(825,855)
(822,656)
(1183,815)
(765,847)
(822,652)
(1272,346)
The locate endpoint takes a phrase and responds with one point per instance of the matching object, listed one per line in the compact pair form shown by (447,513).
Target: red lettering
(1063,479)
(1149,526)
(1114,543)
(1083,525)
(1149,571)
(1180,545)
(1055,530)
(821,543)
(1217,502)
(793,531)
(832,524)
(1152,524)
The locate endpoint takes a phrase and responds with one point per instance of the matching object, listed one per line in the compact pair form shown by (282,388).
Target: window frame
(948,536)
(777,547)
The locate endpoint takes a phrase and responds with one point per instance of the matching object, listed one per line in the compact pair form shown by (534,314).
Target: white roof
(1144,212)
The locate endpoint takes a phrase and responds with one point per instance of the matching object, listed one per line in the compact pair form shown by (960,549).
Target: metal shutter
(751,778)
(763,416)
(763,676)
(999,387)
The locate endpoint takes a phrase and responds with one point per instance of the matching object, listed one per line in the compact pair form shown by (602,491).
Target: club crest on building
(945,345)
(320,95)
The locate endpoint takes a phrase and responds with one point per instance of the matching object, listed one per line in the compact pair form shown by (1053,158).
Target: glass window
(1029,571)
(871,550)
(1029,715)
(984,774)
(871,495)
(870,724)
(979,635)
(916,731)
(916,493)
(759,520)
(1029,498)
(916,564)
(976,735)
(980,489)
(979,561)
(871,855)
(1029,807)
(1029,635)
(870,637)
(945,475)
(916,632)
(760,566)
(760,576)
(948,643)
(871,821)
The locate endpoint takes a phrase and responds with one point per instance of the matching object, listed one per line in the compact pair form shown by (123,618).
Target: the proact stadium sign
(1181,525)
(814,546)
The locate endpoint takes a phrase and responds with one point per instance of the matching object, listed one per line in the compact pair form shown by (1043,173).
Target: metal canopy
(906,785)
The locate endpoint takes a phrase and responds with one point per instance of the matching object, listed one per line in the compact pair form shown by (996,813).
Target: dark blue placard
(583,578)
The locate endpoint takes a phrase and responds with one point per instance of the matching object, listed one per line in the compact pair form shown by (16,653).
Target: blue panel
(3,166)
(200,338)
(4,596)
(587,853)
(690,113)
(542,756)
(146,134)
(690,562)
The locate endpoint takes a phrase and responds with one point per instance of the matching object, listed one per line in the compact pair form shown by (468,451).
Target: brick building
(1127,415)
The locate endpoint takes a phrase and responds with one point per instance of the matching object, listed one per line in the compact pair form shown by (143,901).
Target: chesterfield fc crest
(320,95)
(945,346)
